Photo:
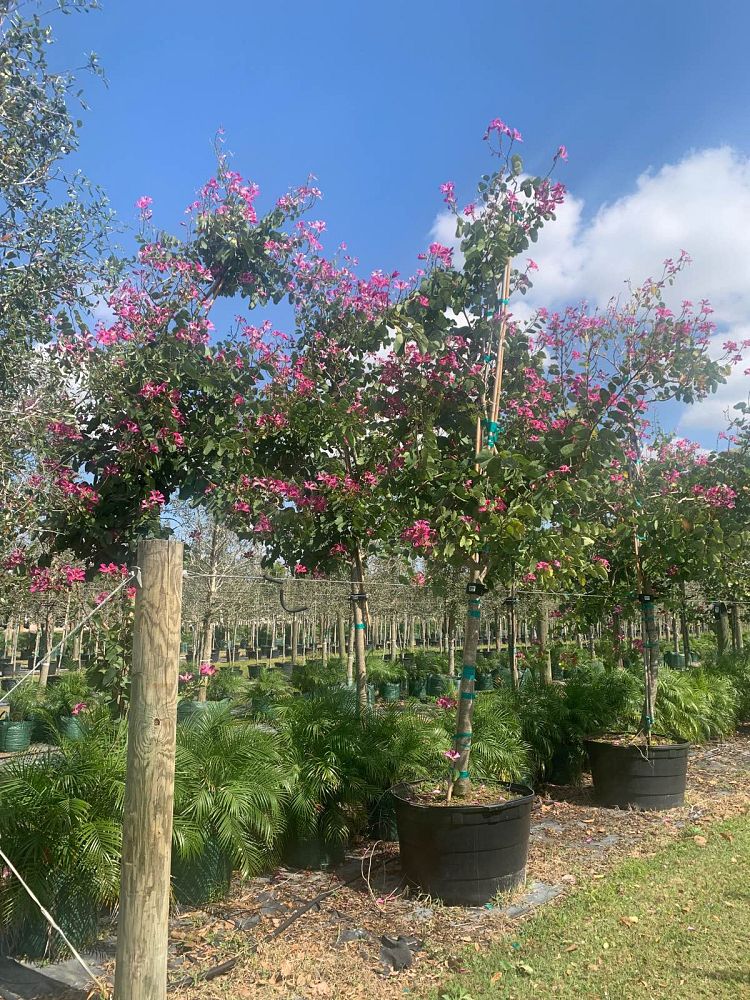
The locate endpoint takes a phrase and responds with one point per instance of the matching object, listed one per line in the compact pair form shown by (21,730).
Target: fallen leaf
(285,970)
(496,977)
(700,841)
(628,921)
(572,947)
(727,836)
(527,970)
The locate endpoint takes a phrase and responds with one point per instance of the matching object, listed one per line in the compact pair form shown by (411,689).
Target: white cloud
(700,204)
(714,413)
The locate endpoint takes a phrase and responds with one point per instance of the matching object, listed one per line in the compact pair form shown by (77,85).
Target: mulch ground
(335,948)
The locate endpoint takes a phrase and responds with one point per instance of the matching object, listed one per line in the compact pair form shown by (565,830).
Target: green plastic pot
(484,682)
(437,685)
(15,736)
(503,675)
(70,727)
(382,824)
(32,938)
(313,853)
(391,691)
(674,660)
(205,879)
(418,687)
(372,693)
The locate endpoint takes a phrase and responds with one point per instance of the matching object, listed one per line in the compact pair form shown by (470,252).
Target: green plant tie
(475,614)
(463,774)
(487,358)
(494,430)
(504,302)
(641,538)
(462,736)
(468,673)
(468,695)
(360,625)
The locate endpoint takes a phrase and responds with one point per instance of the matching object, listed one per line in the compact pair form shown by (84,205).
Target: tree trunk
(208,628)
(350,656)
(737,643)
(543,630)
(451,644)
(651,657)
(47,644)
(294,640)
(465,714)
(360,649)
(617,641)
(324,640)
(341,635)
(512,643)
(722,630)
(394,640)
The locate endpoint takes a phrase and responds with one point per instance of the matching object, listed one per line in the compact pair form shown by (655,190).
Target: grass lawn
(674,927)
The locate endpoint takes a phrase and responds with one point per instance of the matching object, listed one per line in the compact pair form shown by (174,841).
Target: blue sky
(385,101)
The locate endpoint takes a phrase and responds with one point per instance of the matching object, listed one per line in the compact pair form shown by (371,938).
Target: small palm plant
(327,752)
(499,750)
(343,763)
(231,785)
(61,825)
(695,706)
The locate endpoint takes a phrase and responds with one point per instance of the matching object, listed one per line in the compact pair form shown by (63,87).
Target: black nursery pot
(631,776)
(464,854)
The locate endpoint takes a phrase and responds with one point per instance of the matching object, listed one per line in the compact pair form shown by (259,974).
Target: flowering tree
(333,449)
(53,236)
(159,407)
(535,413)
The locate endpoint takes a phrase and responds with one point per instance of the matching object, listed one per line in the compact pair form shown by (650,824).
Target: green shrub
(429,662)
(557,719)
(379,672)
(342,762)
(314,676)
(695,705)
(225,685)
(704,646)
(231,783)
(736,668)
(24,702)
(60,823)
(62,695)
(269,691)
(499,750)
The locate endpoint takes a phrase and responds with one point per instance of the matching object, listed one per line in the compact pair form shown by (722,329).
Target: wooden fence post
(143,928)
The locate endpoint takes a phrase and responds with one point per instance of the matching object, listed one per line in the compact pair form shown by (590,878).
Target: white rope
(135,575)
(53,923)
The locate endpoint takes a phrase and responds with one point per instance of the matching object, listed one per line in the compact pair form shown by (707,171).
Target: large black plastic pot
(464,854)
(634,776)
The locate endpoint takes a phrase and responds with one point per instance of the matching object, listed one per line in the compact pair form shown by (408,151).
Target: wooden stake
(141,970)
